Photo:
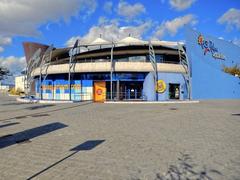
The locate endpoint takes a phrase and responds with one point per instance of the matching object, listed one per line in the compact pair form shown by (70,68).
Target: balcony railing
(108,60)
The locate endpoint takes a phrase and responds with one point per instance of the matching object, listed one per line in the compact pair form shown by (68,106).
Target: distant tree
(4,72)
(234,70)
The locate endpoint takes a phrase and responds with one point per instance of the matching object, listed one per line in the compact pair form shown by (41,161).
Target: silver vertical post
(69,77)
(184,61)
(152,59)
(40,79)
(72,53)
(111,74)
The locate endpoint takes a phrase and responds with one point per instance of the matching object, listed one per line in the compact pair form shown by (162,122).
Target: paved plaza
(119,141)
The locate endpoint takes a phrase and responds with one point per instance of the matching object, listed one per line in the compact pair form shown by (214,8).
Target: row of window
(98,76)
(145,58)
(159,59)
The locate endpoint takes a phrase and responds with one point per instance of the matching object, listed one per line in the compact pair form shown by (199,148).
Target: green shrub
(234,70)
(15,92)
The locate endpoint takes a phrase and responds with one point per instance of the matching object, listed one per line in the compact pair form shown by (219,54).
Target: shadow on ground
(186,169)
(26,135)
(32,107)
(183,169)
(40,107)
(43,113)
(34,116)
(86,146)
(237,114)
(9,124)
(14,103)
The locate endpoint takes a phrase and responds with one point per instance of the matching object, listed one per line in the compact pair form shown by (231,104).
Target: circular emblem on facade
(161,86)
(99,91)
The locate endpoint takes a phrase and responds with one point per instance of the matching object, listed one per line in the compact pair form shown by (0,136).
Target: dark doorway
(130,90)
(125,90)
(174,91)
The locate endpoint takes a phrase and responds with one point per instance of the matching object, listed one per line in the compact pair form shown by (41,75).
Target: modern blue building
(130,69)
(133,69)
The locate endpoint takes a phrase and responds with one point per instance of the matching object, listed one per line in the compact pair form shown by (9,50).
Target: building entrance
(174,91)
(125,90)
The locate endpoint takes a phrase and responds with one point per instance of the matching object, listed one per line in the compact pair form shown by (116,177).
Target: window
(159,58)
(137,59)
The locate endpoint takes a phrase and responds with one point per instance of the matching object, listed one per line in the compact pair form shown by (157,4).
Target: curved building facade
(130,69)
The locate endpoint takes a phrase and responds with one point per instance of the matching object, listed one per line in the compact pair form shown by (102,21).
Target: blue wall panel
(208,79)
(87,83)
(172,78)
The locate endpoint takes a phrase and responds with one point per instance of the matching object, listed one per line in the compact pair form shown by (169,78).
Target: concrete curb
(151,102)
(53,102)
(106,102)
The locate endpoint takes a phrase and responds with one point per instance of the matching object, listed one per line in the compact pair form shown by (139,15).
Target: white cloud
(181,4)
(130,11)
(173,26)
(108,7)
(4,41)
(72,40)
(23,17)
(105,21)
(14,64)
(112,32)
(102,20)
(231,18)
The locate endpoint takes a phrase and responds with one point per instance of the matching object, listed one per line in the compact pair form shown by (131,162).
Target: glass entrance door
(125,90)
(131,90)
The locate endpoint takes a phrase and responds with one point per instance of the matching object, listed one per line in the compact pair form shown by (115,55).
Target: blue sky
(61,22)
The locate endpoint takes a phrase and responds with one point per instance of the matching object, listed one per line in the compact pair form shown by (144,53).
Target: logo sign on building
(209,47)
(161,86)
(99,92)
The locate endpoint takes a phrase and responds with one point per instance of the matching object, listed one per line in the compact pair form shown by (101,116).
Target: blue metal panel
(66,91)
(87,83)
(168,78)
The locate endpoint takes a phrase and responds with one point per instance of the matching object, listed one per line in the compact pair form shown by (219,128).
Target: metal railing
(116,60)
(119,96)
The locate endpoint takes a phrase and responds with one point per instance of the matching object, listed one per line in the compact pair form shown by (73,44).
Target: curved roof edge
(31,47)
(100,41)
(131,41)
